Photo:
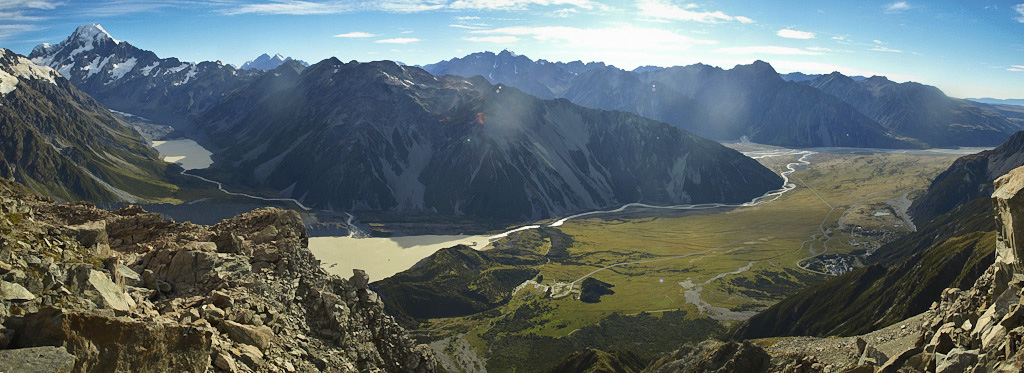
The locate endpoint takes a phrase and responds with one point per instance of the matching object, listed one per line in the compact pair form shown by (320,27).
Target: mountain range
(132,80)
(380,136)
(756,102)
(266,62)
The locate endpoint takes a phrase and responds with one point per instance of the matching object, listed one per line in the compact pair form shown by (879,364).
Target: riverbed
(187,153)
(382,257)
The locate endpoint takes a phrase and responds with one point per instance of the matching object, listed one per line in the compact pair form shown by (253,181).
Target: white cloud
(30,4)
(397,41)
(466,18)
(885,49)
(898,7)
(1019,8)
(468,27)
(619,40)
(663,9)
(878,41)
(302,7)
(565,12)
(515,4)
(355,34)
(794,34)
(507,39)
(820,49)
(765,49)
(1016,68)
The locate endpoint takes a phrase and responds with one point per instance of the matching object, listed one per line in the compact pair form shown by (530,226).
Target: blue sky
(968,48)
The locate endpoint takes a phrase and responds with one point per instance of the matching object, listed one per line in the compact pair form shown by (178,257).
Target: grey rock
(359,279)
(958,360)
(15,292)
(259,336)
(48,359)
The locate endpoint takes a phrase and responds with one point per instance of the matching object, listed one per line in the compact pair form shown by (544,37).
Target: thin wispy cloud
(397,41)
(898,7)
(303,7)
(516,4)
(493,39)
(794,34)
(355,34)
(765,49)
(625,38)
(661,9)
(1019,8)
(885,49)
(17,16)
(1017,68)
(467,27)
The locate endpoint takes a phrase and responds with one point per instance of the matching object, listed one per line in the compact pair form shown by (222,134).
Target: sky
(968,48)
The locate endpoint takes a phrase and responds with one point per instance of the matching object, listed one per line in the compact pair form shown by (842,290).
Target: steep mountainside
(752,101)
(266,62)
(62,143)
(132,80)
(968,178)
(919,111)
(387,137)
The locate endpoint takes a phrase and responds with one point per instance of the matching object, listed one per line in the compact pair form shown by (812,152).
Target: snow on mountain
(14,66)
(133,80)
(265,62)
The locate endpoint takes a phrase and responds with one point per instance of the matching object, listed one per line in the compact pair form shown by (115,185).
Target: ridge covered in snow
(266,62)
(14,66)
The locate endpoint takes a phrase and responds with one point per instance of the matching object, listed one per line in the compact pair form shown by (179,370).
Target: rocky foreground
(83,289)
(980,329)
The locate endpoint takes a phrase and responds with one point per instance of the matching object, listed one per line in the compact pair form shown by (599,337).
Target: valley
(675,270)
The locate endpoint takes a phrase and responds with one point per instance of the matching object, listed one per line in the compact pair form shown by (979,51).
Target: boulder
(958,360)
(45,359)
(107,344)
(259,336)
(359,279)
(15,292)
(98,287)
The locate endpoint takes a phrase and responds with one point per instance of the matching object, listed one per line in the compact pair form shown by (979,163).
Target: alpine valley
(661,219)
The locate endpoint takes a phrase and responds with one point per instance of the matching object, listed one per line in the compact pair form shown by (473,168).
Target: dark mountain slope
(60,142)
(540,78)
(968,178)
(386,137)
(132,80)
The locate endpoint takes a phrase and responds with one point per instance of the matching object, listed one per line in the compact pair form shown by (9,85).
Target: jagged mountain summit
(540,78)
(380,136)
(266,62)
(919,111)
(60,142)
(132,80)
(752,100)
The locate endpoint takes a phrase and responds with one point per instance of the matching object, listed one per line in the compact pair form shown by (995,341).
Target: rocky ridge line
(127,291)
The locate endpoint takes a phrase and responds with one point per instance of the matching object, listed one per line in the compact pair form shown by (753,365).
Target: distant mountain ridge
(381,136)
(132,80)
(61,143)
(996,101)
(266,62)
(919,111)
(756,102)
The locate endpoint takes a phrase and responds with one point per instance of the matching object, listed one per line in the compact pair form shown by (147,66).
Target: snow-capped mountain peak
(93,33)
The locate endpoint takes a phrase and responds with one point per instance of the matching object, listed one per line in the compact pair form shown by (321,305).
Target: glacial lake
(189,154)
(382,257)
